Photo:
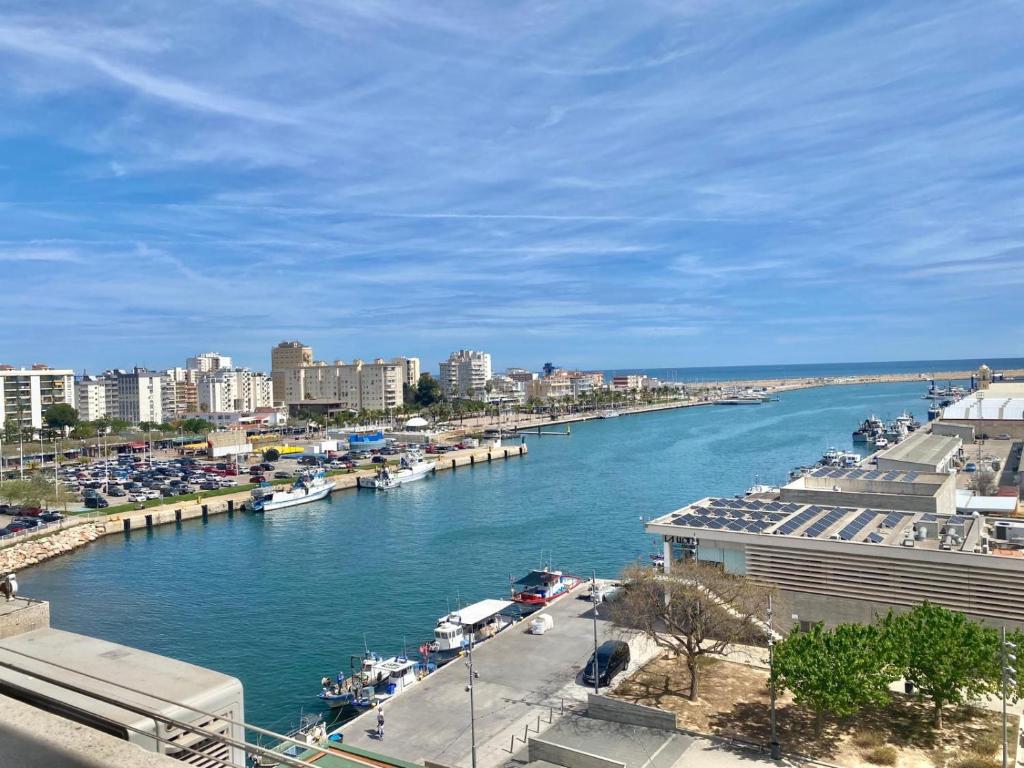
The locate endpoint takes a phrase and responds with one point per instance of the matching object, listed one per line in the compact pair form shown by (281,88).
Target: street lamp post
(472,709)
(594,601)
(1009,664)
(773,744)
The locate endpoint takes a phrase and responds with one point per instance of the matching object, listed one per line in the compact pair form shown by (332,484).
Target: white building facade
(208,361)
(375,386)
(465,373)
(26,393)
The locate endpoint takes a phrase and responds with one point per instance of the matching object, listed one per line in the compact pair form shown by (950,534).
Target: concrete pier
(526,683)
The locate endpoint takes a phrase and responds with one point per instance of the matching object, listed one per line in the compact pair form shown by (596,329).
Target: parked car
(379,460)
(151,494)
(257,479)
(267,467)
(610,659)
(117,490)
(282,475)
(51,517)
(137,496)
(970,467)
(209,485)
(96,502)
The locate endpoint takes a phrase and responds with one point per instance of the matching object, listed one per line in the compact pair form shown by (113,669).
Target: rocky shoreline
(25,553)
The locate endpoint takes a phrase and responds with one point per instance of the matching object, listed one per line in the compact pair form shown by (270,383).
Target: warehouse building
(922,452)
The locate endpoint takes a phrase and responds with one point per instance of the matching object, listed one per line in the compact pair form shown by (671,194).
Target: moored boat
(474,624)
(310,486)
(608,414)
(543,586)
(411,467)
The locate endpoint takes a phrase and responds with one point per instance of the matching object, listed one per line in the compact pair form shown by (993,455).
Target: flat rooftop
(859,525)
(922,448)
(862,473)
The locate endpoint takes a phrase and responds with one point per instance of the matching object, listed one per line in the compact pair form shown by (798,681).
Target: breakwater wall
(75,532)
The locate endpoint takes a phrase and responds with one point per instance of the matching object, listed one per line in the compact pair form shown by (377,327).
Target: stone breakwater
(26,553)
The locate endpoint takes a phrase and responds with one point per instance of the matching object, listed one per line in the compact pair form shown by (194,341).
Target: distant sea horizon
(815,370)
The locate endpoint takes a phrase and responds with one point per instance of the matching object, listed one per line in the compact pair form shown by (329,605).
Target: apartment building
(412,368)
(208,361)
(287,356)
(465,373)
(96,398)
(628,382)
(375,386)
(178,393)
(233,390)
(139,395)
(26,393)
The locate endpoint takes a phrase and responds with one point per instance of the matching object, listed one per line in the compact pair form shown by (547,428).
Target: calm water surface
(281,599)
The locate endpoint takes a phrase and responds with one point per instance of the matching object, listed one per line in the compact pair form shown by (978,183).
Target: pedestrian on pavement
(380,723)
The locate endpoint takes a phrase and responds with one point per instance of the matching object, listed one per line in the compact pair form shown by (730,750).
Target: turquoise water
(281,599)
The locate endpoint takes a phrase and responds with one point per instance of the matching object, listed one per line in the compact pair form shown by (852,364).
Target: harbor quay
(525,684)
(77,531)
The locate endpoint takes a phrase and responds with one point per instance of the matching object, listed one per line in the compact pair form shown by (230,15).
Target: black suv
(96,502)
(612,658)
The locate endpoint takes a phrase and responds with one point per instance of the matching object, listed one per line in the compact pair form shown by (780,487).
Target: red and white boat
(541,587)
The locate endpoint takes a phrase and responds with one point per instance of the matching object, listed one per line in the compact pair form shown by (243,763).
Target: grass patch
(884,755)
(976,761)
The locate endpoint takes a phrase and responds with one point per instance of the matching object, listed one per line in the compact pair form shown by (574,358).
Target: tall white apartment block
(465,373)
(95,398)
(208,361)
(412,368)
(178,393)
(26,393)
(139,395)
(233,390)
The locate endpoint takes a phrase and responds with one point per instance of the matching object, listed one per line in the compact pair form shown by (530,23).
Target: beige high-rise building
(412,368)
(465,373)
(373,386)
(287,356)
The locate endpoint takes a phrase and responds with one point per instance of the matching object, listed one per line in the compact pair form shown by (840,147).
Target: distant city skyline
(685,184)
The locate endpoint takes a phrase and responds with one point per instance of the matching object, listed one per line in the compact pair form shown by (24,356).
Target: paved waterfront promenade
(523,677)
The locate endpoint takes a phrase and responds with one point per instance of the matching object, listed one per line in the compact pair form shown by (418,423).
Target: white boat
(759,489)
(474,623)
(310,486)
(881,442)
(384,679)
(608,414)
(411,467)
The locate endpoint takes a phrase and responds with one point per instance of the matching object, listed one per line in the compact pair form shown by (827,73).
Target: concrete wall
(23,615)
(963,431)
(538,749)
(618,711)
(900,501)
(992,427)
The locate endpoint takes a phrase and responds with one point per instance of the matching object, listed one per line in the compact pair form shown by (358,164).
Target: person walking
(380,723)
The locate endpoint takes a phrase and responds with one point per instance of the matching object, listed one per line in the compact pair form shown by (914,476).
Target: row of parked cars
(26,519)
(136,479)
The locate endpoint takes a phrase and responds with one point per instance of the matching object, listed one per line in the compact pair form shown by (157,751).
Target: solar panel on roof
(910,477)
(735,525)
(825,522)
(854,527)
(715,524)
(891,476)
(874,538)
(872,475)
(929,517)
(891,520)
(795,522)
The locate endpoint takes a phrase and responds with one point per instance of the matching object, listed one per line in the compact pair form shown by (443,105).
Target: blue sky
(602,184)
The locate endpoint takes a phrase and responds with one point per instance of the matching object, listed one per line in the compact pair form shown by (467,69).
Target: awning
(536,579)
(471,614)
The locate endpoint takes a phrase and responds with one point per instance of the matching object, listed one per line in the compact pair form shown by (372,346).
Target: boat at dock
(411,467)
(869,429)
(474,624)
(376,680)
(936,392)
(543,586)
(310,486)
(608,414)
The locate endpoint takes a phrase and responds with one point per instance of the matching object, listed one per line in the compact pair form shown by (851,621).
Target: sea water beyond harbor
(281,599)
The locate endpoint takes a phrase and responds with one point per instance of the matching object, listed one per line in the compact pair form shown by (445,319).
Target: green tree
(835,671)
(84,430)
(428,390)
(948,657)
(271,454)
(60,416)
(195,426)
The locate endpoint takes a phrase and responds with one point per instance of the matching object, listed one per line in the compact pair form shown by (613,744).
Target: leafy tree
(410,393)
(195,426)
(60,416)
(428,390)
(950,658)
(271,454)
(694,611)
(84,430)
(835,671)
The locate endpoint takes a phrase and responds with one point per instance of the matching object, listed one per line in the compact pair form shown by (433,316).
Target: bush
(868,739)
(976,761)
(881,755)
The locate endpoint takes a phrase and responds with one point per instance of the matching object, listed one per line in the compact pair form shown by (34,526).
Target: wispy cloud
(687,183)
